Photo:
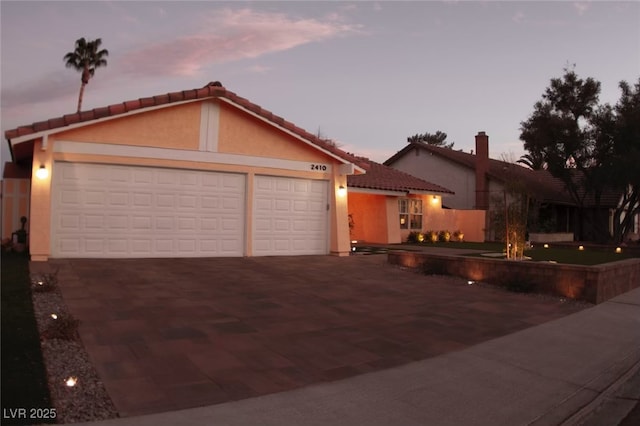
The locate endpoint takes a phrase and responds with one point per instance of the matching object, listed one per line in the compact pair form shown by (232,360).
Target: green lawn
(539,253)
(575,256)
(24,383)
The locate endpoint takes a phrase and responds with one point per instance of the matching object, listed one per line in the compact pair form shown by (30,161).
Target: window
(410,213)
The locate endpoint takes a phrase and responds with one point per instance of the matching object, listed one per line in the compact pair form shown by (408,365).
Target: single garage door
(123,211)
(289,216)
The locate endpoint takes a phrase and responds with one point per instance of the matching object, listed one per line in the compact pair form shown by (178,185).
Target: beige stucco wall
(240,133)
(174,127)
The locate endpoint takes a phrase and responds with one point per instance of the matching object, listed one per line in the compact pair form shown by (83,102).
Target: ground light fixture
(54,316)
(42,172)
(546,246)
(71,381)
(580,248)
(618,250)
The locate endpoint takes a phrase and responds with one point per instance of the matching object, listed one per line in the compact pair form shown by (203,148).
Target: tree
(561,130)
(86,57)
(534,161)
(619,131)
(437,139)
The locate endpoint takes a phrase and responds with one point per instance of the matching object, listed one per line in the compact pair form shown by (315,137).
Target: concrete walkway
(555,373)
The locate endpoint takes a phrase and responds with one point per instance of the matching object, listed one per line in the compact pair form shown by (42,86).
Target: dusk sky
(366,74)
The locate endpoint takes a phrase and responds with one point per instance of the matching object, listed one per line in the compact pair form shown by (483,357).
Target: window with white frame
(410,210)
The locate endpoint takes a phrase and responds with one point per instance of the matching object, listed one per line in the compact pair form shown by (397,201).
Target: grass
(571,256)
(575,256)
(24,380)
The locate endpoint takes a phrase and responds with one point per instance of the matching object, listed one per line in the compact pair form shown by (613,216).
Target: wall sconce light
(342,191)
(42,172)
(434,200)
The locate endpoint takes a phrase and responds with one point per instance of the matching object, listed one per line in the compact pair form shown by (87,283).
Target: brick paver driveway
(167,334)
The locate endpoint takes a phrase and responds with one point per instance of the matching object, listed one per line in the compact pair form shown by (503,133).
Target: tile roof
(385,178)
(211,90)
(540,182)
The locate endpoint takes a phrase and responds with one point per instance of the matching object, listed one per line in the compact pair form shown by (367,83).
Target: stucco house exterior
(478,182)
(197,173)
(386,204)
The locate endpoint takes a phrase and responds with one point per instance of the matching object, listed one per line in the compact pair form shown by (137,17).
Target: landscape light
(618,250)
(581,248)
(71,381)
(54,316)
(470,282)
(546,246)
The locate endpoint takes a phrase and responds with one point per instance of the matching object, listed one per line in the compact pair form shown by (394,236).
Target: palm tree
(533,160)
(86,57)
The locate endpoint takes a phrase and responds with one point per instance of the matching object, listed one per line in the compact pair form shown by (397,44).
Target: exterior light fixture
(470,282)
(71,381)
(54,316)
(342,191)
(581,248)
(42,172)
(618,250)
(434,200)
(546,246)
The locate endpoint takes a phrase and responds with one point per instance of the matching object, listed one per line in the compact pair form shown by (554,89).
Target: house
(386,204)
(479,182)
(197,173)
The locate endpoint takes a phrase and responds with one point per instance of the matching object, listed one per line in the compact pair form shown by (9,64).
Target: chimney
(482,167)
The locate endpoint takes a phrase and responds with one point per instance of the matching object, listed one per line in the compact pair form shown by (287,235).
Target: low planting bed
(591,283)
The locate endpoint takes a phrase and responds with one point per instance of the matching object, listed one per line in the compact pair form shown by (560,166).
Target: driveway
(167,334)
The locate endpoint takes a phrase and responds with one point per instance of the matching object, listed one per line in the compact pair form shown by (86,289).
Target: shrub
(432,236)
(444,236)
(458,235)
(45,282)
(64,327)
(414,237)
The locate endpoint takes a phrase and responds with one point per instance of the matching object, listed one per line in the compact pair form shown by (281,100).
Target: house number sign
(319,167)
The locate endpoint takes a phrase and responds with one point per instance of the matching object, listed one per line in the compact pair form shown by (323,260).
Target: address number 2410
(319,167)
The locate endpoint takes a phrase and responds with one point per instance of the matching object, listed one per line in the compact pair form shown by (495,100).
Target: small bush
(444,236)
(64,327)
(414,237)
(45,283)
(458,235)
(431,236)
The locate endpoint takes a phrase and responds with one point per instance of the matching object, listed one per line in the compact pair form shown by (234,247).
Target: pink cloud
(230,35)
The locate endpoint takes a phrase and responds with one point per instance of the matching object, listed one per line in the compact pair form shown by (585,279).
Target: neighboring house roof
(383,178)
(23,136)
(540,182)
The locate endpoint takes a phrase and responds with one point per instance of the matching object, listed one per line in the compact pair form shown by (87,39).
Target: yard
(24,382)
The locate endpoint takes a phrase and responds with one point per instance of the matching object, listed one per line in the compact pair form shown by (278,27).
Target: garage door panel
(284,219)
(121,211)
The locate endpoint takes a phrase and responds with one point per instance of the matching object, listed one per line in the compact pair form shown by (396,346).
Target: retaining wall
(594,284)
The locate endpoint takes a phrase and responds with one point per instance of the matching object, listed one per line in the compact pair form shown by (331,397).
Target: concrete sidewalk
(555,373)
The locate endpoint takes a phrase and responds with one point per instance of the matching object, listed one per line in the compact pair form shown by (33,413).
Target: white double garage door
(113,211)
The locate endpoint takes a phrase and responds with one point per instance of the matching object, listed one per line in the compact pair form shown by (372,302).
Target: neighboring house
(479,182)
(198,173)
(15,188)
(386,204)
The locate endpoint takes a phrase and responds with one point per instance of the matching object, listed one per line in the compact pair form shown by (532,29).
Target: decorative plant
(414,237)
(444,236)
(432,236)
(458,235)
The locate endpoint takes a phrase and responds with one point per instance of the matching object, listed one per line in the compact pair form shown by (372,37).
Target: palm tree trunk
(81,95)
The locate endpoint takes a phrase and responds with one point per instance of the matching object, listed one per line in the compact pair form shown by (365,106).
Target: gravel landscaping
(65,358)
